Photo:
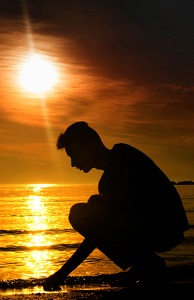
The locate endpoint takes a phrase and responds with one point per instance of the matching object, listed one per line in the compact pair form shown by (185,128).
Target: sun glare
(38,75)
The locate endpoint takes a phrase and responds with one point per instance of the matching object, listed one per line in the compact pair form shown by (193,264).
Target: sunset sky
(125,67)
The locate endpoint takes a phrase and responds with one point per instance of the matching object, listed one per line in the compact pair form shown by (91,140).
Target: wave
(42,231)
(59,247)
(47,231)
(71,280)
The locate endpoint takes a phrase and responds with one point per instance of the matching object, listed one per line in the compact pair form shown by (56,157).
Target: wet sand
(156,290)
(105,293)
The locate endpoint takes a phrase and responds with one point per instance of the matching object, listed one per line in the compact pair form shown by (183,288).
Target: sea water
(36,237)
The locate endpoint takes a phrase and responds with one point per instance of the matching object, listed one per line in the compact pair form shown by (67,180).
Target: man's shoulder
(123,152)
(121,147)
(129,153)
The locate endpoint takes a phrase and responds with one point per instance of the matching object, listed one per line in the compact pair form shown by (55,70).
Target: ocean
(36,237)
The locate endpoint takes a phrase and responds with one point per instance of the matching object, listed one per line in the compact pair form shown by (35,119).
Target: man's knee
(76,215)
(84,217)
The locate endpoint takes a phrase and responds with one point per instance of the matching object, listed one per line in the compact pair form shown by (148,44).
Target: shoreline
(179,278)
(104,293)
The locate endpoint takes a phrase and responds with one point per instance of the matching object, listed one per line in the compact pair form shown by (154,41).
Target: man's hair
(79,131)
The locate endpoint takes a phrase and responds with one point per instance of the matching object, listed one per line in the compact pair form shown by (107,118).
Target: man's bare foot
(144,272)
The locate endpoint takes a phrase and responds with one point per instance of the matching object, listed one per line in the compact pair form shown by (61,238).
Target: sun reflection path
(37,218)
(34,263)
(37,224)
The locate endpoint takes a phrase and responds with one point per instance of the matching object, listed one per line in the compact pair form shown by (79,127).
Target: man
(137,214)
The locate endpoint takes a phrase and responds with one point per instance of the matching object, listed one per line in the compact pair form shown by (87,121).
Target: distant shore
(185,182)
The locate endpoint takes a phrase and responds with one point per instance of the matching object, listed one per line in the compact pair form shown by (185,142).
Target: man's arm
(55,280)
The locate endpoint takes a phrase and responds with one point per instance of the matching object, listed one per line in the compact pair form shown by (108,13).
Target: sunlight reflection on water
(36,237)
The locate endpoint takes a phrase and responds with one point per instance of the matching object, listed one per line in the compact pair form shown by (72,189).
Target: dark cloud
(147,41)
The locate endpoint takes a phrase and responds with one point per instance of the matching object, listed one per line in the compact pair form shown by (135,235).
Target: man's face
(81,156)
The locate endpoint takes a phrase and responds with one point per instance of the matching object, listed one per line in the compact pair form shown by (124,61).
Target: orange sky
(125,68)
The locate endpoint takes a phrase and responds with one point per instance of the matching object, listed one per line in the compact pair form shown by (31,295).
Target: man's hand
(53,282)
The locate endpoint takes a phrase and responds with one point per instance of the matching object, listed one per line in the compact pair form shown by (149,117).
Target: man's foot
(152,268)
(143,272)
(129,278)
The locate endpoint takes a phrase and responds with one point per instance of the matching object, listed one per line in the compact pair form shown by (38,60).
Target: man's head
(81,132)
(82,144)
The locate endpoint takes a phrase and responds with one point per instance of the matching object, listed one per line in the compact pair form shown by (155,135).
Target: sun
(38,74)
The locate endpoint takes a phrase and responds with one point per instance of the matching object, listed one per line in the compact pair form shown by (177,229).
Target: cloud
(145,42)
(126,68)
